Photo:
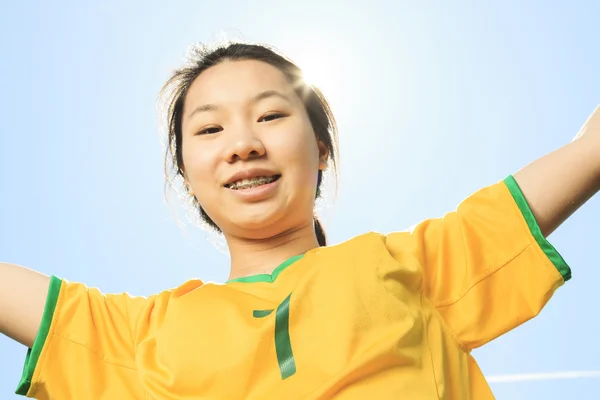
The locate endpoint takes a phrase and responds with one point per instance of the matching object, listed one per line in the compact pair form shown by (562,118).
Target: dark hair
(201,58)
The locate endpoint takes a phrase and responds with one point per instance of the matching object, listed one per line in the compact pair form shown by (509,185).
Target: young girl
(379,316)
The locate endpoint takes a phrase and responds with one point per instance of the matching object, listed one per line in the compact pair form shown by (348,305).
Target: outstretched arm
(557,184)
(22,299)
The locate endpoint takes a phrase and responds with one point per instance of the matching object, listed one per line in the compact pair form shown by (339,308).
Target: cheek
(199,160)
(298,153)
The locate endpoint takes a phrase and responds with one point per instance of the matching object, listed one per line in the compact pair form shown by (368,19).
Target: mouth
(249,183)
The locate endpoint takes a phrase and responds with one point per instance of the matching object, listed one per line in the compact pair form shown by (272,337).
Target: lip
(251,173)
(257,193)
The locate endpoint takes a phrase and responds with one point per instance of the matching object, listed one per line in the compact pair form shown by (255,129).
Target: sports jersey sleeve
(487,268)
(85,344)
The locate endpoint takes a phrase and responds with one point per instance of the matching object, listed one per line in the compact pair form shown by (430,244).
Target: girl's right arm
(80,341)
(23,295)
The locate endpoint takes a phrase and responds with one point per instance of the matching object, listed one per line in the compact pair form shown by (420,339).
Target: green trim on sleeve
(544,244)
(33,354)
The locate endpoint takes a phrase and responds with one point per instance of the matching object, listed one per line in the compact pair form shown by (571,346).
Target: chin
(257,226)
(260,228)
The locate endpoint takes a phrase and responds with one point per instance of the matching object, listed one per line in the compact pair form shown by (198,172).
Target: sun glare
(312,74)
(320,72)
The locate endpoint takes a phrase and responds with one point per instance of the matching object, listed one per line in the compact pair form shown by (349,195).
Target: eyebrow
(259,97)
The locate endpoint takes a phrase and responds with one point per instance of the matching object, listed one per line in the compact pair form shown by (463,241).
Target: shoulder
(372,242)
(365,239)
(181,290)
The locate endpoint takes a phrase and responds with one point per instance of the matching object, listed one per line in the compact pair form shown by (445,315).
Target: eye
(210,130)
(271,117)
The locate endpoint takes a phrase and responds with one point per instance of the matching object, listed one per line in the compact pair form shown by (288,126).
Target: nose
(244,145)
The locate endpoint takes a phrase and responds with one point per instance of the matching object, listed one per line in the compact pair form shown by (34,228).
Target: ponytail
(321,237)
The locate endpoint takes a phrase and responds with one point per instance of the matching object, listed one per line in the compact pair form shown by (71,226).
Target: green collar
(268,277)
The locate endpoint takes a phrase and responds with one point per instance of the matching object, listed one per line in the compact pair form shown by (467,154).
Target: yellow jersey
(377,317)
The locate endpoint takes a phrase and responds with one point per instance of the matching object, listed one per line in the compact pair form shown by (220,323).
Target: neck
(261,256)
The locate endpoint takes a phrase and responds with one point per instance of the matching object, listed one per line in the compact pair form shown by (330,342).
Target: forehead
(234,82)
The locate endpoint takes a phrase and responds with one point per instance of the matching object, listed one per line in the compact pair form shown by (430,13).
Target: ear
(323,155)
(187,183)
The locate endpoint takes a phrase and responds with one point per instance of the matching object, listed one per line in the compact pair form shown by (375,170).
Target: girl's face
(250,154)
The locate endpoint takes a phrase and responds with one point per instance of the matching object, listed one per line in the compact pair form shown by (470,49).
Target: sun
(313,74)
(320,72)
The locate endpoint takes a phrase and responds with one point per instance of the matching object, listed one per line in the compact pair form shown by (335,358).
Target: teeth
(253,182)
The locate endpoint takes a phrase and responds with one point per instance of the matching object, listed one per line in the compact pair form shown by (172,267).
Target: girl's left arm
(557,184)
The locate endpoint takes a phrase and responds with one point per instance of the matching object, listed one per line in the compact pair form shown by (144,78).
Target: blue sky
(433,102)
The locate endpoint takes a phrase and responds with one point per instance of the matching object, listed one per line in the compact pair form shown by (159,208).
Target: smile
(252,182)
